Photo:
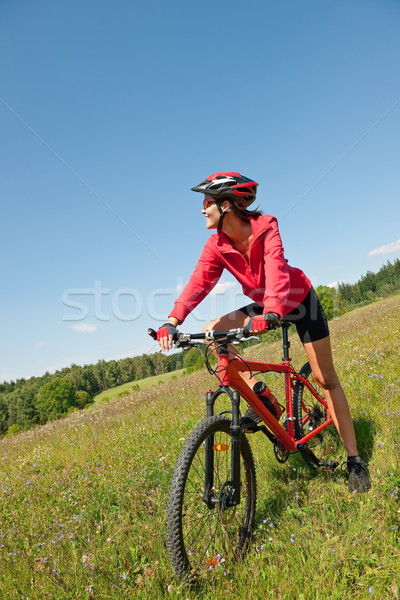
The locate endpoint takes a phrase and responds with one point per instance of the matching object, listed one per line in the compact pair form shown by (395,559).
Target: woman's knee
(328,380)
(233,319)
(319,354)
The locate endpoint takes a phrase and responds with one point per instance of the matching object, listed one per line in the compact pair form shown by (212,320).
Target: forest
(34,401)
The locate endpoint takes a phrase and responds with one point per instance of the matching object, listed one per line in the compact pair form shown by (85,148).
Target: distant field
(83,499)
(134,386)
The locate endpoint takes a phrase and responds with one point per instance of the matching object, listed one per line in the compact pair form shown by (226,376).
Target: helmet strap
(222,214)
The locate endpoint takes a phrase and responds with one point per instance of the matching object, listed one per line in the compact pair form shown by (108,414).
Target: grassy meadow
(83,499)
(134,386)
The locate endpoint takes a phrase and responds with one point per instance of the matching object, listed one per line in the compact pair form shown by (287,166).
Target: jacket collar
(259,227)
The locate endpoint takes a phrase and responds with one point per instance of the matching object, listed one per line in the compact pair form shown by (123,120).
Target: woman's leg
(319,354)
(234,319)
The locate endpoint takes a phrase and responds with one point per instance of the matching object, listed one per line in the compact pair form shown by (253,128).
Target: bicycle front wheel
(204,530)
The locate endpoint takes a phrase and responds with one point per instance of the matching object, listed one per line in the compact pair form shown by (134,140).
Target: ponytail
(245,214)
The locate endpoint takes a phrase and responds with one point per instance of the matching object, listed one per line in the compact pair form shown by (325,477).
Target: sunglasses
(208,203)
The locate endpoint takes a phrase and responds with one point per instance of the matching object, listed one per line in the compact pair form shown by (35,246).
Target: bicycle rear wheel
(308,412)
(203,530)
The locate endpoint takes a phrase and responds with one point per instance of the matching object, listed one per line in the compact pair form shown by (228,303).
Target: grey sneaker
(358,475)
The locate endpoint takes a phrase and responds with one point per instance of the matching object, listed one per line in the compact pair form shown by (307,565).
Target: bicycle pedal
(329,466)
(251,429)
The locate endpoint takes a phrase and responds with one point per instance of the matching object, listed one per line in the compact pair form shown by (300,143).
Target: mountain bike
(212,497)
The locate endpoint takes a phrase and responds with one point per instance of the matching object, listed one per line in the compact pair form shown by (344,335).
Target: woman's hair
(245,214)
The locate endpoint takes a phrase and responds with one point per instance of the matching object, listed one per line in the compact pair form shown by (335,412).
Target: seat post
(285,341)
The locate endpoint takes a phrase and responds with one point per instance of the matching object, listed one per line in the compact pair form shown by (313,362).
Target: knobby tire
(204,535)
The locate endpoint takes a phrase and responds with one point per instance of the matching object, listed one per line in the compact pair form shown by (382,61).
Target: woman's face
(211,212)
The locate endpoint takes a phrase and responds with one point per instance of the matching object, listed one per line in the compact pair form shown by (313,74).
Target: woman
(249,246)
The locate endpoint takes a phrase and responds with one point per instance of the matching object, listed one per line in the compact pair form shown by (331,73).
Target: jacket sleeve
(206,274)
(277,276)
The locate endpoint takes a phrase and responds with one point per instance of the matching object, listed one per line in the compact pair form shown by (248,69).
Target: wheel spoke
(204,531)
(308,411)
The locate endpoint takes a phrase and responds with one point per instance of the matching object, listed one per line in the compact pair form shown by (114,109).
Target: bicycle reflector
(220,447)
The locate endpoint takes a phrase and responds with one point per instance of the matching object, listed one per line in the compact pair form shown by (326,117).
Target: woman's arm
(204,277)
(277,276)
(206,274)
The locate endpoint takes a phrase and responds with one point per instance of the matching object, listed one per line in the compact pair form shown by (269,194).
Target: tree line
(34,401)
(368,288)
(372,285)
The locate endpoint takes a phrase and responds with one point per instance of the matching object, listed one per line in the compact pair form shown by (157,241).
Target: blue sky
(111,111)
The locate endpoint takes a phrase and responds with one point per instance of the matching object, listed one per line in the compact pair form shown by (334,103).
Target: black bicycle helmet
(231,186)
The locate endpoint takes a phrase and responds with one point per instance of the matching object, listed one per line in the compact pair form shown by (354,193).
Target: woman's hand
(263,322)
(165,335)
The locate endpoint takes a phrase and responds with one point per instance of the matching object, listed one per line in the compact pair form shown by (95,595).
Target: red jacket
(266,278)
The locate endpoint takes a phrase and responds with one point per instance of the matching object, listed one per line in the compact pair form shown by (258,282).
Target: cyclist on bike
(248,245)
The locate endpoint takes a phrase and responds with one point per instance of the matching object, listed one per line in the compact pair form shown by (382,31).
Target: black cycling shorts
(309,317)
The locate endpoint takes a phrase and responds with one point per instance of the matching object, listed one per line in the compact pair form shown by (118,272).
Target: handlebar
(184,340)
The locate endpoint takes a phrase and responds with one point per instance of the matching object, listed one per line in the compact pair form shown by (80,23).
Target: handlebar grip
(152,333)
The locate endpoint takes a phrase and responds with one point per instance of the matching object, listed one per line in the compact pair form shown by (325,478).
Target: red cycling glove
(263,322)
(166,330)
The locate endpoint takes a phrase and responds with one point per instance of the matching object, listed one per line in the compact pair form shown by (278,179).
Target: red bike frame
(229,375)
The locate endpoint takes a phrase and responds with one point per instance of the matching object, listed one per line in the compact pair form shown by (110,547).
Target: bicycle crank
(281,454)
(310,458)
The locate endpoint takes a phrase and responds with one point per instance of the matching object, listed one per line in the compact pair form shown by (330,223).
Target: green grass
(133,386)
(83,499)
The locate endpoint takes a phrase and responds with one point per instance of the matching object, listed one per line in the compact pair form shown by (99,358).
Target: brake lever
(152,333)
(182,340)
(177,337)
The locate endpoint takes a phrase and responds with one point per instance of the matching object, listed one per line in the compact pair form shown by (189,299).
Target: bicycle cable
(218,370)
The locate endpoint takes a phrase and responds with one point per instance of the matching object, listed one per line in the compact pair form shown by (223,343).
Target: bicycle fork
(231,496)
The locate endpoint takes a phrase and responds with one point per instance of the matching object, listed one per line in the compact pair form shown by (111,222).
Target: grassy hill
(134,386)
(83,499)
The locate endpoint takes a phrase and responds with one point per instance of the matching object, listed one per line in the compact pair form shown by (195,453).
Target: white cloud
(387,249)
(42,344)
(178,288)
(222,287)
(84,327)
(335,284)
